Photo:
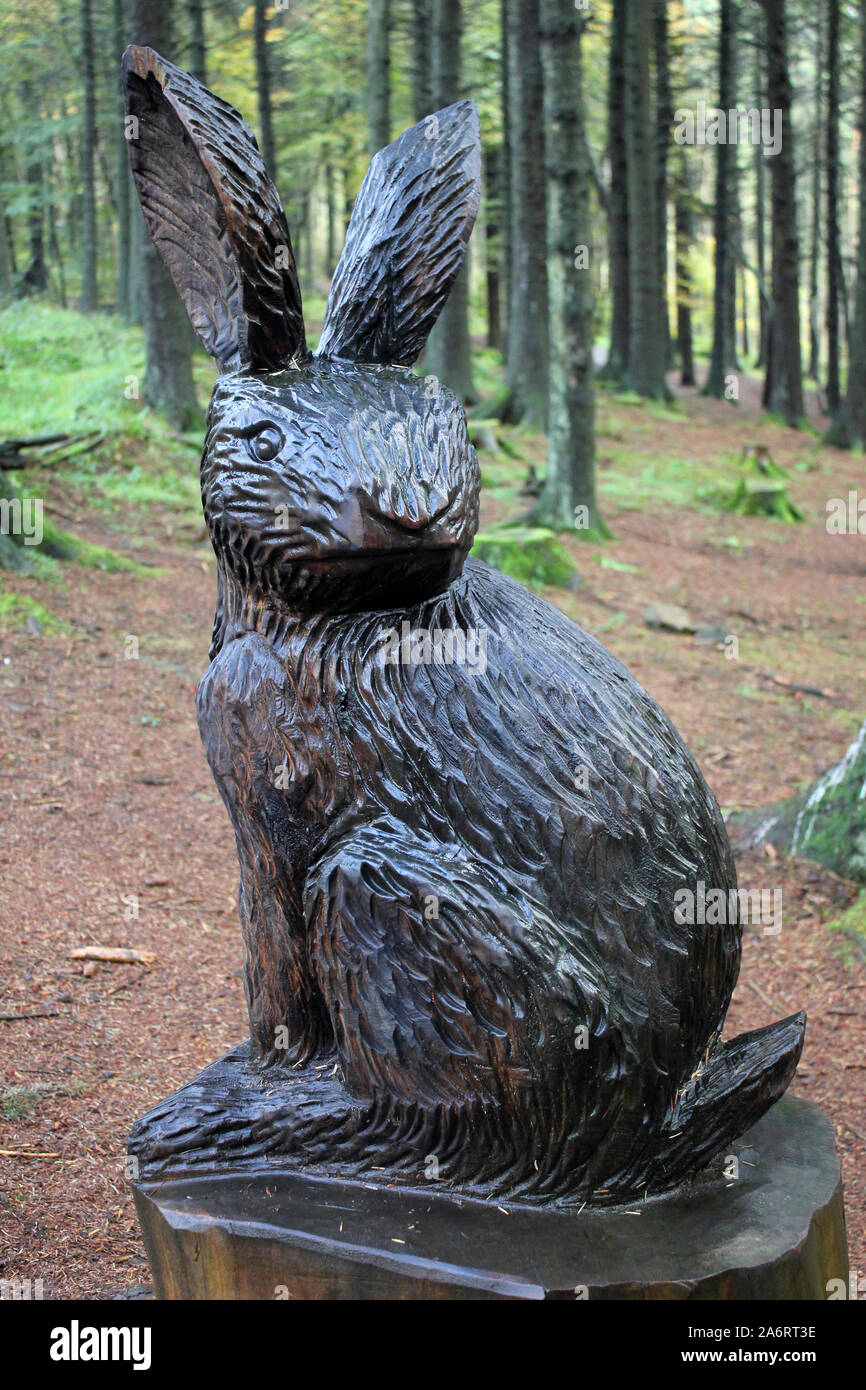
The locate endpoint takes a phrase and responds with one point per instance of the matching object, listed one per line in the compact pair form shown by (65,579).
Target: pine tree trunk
(617,361)
(197,62)
(849,427)
(664,122)
(493,243)
(527,346)
(815,252)
(123,177)
(685,233)
(331,201)
(646,357)
(35,277)
(783,387)
(422,89)
(570,481)
(833,251)
(263,87)
(378,75)
(89,290)
(760,233)
(168,383)
(506,212)
(447,355)
(724,351)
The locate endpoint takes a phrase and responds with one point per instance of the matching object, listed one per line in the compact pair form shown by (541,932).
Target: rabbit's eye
(266,444)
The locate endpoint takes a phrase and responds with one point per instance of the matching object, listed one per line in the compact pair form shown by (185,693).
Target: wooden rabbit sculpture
(462,826)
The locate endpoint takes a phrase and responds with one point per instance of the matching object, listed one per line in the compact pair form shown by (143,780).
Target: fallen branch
(14,1018)
(121,955)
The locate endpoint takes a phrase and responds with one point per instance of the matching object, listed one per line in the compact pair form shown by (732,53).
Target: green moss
(62,545)
(15,609)
(532,555)
(849,930)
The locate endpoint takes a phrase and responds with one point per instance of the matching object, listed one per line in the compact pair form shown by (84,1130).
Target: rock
(33,625)
(669,616)
(711,634)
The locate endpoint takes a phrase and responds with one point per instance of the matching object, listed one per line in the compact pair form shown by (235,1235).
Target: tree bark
(527,346)
(685,232)
(89,289)
(422,85)
(123,177)
(724,349)
(617,361)
(833,252)
(448,355)
(849,427)
(493,243)
(263,86)
(664,122)
(570,481)
(378,75)
(168,383)
(197,62)
(783,387)
(815,252)
(35,277)
(646,357)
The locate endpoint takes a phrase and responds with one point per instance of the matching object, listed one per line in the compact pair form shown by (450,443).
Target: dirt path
(110,812)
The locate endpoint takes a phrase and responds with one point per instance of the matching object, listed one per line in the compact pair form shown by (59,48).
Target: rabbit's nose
(413,513)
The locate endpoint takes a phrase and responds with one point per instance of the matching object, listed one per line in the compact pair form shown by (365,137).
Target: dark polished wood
(461,824)
(775,1231)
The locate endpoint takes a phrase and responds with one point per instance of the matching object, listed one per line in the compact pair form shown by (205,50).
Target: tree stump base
(777,1231)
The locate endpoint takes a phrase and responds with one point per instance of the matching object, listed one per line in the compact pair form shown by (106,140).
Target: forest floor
(110,807)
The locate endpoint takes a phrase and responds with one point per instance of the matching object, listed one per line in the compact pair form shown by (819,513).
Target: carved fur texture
(461,824)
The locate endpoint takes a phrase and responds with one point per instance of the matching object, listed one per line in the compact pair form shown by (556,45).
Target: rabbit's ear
(406,241)
(214,215)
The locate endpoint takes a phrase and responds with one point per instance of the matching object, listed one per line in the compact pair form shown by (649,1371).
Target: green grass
(65,371)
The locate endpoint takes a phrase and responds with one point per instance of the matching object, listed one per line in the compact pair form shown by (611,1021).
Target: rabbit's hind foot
(235,1115)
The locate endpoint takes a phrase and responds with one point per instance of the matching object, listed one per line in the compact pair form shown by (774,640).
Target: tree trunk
(263,86)
(168,383)
(505,166)
(685,232)
(422,87)
(527,346)
(814,256)
(447,353)
(617,361)
(783,387)
(849,427)
(378,75)
(35,277)
(493,243)
(724,349)
(646,357)
(569,489)
(89,289)
(197,62)
(664,122)
(833,251)
(123,177)
(331,242)
(760,202)
(826,824)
